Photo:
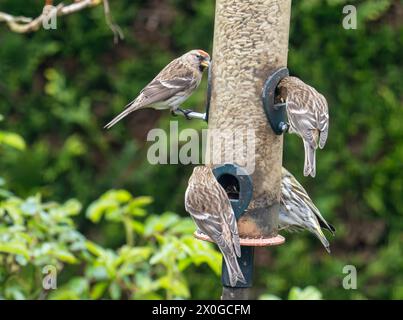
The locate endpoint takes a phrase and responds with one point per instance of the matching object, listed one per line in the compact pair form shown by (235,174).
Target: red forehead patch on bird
(203,53)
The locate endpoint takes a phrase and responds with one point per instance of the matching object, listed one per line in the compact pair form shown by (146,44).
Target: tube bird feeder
(250,44)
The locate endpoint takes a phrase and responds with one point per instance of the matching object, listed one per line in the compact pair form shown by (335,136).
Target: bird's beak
(205,63)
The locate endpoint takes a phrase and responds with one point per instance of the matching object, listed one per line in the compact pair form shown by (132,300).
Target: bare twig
(22,24)
(117,31)
(9,18)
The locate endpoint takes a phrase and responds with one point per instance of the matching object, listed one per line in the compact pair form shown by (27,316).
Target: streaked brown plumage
(308,117)
(297,211)
(172,86)
(210,208)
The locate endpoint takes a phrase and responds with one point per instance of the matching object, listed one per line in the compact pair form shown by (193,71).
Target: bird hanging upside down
(211,210)
(308,117)
(297,211)
(172,86)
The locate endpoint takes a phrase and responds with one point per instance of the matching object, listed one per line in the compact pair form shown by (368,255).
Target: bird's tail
(234,271)
(129,109)
(320,235)
(325,225)
(310,160)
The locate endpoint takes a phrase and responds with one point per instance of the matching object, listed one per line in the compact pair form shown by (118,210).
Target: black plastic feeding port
(238,185)
(230,185)
(275,113)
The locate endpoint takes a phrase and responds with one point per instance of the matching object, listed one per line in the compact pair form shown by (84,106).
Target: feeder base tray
(249,242)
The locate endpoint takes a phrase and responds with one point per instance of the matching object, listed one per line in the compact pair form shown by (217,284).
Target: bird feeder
(239,187)
(250,47)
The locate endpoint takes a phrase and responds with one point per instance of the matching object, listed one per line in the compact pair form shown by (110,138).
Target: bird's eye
(199,56)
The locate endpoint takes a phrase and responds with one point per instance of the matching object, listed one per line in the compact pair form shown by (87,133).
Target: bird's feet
(186,113)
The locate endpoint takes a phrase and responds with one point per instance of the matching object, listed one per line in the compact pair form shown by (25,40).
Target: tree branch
(22,24)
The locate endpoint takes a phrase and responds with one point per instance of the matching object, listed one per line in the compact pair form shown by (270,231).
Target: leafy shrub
(308,293)
(150,265)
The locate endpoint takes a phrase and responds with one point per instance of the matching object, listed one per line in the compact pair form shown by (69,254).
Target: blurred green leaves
(34,234)
(308,293)
(163,240)
(12,140)
(115,205)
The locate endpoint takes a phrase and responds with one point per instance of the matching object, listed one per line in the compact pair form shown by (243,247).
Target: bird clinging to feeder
(171,87)
(211,210)
(308,117)
(297,211)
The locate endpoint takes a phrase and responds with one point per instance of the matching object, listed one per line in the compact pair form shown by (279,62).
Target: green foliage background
(58,88)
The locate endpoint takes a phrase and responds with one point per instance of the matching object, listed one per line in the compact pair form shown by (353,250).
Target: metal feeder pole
(250,42)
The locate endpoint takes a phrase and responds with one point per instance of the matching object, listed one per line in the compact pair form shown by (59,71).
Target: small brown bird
(297,211)
(172,86)
(308,117)
(211,210)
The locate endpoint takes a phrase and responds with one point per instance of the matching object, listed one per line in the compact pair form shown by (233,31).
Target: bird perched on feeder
(211,210)
(172,86)
(297,211)
(308,117)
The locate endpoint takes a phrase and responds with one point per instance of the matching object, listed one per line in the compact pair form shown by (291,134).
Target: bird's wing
(301,120)
(303,195)
(307,111)
(229,218)
(297,210)
(211,210)
(291,188)
(289,219)
(160,90)
(323,120)
(172,79)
